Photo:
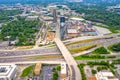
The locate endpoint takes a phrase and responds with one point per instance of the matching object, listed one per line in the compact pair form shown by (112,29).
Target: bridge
(72,64)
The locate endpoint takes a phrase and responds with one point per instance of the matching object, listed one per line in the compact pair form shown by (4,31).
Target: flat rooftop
(72,31)
(63,68)
(78,19)
(5,70)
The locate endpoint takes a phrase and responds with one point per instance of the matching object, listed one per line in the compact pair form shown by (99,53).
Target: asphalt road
(11,60)
(29,52)
(104,42)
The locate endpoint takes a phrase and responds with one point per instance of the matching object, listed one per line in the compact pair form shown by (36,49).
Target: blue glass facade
(62,19)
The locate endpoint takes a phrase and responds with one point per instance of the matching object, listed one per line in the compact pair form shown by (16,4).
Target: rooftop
(7,69)
(37,69)
(91,78)
(105,76)
(72,31)
(32,17)
(63,68)
(78,19)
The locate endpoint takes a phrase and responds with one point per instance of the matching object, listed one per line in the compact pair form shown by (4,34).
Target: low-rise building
(37,69)
(32,18)
(77,19)
(91,78)
(63,71)
(72,33)
(8,72)
(105,76)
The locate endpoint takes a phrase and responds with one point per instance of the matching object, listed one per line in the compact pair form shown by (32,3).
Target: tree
(94,71)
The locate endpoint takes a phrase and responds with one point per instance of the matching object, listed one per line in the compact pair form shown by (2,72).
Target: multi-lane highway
(103,42)
(42,61)
(29,59)
(44,51)
(90,37)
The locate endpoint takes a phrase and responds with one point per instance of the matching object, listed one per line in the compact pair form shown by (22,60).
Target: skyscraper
(62,19)
(54,16)
(62,27)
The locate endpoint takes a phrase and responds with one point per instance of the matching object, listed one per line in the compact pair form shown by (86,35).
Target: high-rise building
(62,27)
(62,19)
(54,16)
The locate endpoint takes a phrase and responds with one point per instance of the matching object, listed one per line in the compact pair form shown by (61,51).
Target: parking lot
(47,72)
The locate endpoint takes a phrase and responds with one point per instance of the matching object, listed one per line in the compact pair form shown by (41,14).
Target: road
(89,37)
(31,55)
(38,36)
(31,58)
(33,62)
(50,51)
(103,42)
(29,52)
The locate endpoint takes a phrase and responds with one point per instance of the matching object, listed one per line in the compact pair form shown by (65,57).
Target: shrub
(94,71)
(101,50)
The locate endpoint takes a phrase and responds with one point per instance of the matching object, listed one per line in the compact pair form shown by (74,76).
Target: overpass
(68,58)
(72,64)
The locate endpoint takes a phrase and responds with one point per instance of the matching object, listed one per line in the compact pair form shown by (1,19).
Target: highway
(22,56)
(47,51)
(31,58)
(90,37)
(103,42)
(33,62)
(29,52)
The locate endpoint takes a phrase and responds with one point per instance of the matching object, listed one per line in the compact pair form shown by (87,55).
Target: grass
(115,47)
(92,57)
(44,57)
(24,47)
(101,50)
(51,46)
(77,50)
(27,71)
(100,68)
(106,65)
(116,61)
(79,42)
(111,28)
(89,57)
